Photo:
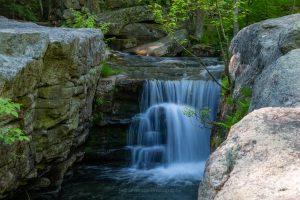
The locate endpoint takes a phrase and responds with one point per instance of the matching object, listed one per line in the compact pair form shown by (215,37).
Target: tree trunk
(294,6)
(41,8)
(199,21)
(236,26)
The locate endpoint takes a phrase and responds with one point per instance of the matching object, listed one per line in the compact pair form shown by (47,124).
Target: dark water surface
(116,182)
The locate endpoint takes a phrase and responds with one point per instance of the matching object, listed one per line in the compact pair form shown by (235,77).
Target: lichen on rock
(48,71)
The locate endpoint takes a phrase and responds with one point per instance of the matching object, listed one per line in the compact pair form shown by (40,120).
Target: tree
(226,16)
(236,17)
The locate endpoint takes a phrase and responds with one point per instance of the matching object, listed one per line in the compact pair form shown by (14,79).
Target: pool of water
(118,182)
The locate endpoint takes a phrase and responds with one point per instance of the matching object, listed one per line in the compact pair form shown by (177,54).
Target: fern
(10,135)
(84,19)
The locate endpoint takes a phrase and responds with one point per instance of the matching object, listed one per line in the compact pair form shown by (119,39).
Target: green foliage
(107,71)
(10,135)
(189,112)
(225,84)
(216,140)
(81,19)
(257,10)
(203,115)
(25,10)
(84,19)
(241,108)
(221,15)
(7,107)
(99,102)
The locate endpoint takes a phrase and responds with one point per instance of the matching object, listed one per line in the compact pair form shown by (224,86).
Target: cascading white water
(163,135)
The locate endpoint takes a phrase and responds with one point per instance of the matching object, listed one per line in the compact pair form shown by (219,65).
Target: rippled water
(109,182)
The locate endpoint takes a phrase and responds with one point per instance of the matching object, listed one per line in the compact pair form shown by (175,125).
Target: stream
(166,148)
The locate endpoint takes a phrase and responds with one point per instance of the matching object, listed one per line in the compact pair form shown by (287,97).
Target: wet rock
(201,50)
(116,100)
(167,46)
(120,44)
(107,144)
(165,68)
(143,32)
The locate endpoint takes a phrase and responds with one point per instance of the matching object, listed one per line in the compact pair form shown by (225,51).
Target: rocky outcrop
(117,19)
(259,160)
(116,100)
(165,68)
(280,82)
(117,97)
(53,73)
(167,46)
(131,23)
(272,62)
(260,157)
(268,40)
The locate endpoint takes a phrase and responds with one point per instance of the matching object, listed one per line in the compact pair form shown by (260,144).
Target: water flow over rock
(163,134)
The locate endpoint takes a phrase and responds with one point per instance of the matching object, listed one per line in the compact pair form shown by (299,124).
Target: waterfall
(163,133)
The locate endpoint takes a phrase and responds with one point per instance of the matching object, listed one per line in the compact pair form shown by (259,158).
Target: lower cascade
(168,134)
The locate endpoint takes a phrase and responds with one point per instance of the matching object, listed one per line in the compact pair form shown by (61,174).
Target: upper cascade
(164,134)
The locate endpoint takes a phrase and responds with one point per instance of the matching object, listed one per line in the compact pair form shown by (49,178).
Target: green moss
(107,71)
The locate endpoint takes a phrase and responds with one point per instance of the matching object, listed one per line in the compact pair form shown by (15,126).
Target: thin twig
(202,64)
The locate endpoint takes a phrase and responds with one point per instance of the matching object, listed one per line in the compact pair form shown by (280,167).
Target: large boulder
(117,19)
(259,160)
(272,61)
(278,84)
(143,32)
(259,46)
(53,73)
(167,46)
(136,34)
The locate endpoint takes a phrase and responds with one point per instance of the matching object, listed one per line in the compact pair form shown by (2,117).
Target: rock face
(167,46)
(268,40)
(280,82)
(259,160)
(165,68)
(271,66)
(117,19)
(131,23)
(116,100)
(53,73)
(117,97)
